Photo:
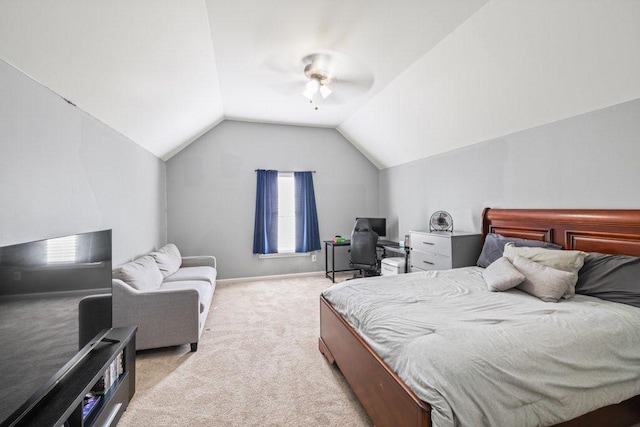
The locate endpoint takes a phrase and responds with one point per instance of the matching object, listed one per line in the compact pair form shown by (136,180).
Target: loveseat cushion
(168,259)
(142,274)
(193,273)
(204,289)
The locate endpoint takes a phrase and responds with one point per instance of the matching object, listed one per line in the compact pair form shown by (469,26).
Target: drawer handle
(429,243)
(427,262)
(112,415)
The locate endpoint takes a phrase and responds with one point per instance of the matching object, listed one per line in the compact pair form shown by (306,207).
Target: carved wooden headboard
(615,231)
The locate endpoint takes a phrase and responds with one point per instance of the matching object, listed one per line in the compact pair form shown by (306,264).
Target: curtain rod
(284,171)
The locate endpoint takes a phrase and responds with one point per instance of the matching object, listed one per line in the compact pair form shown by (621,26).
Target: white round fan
(441,221)
(325,74)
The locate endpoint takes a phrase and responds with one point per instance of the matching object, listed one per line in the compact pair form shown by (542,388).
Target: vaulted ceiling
(413,78)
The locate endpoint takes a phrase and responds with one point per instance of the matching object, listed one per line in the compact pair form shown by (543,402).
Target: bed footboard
(387,400)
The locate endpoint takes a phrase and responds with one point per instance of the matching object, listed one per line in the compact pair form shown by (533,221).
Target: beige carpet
(257,364)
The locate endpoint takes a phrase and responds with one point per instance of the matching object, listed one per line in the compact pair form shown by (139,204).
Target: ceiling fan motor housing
(311,72)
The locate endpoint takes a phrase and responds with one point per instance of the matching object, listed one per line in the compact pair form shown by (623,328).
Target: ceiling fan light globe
(325,91)
(313,85)
(308,94)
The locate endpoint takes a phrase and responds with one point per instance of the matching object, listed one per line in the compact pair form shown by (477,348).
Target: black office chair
(364,243)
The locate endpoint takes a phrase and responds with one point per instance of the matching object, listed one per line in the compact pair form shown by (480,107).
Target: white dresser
(442,250)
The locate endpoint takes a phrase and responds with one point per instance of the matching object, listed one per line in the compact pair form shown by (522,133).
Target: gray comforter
(495,358)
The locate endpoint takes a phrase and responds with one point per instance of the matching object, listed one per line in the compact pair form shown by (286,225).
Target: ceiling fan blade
(350,71)
(280,64)
(282,74)
(360,84)
(288,88)
(350,89)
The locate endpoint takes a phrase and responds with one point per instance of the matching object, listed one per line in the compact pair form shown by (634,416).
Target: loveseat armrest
(164,317)
(197,261)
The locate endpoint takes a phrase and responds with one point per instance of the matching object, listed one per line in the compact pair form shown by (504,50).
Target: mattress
(495,358)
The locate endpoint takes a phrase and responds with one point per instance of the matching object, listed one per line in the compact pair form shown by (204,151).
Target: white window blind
(62,250)
(286,213)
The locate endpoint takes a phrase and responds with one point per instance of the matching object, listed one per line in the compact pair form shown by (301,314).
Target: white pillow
(546,283)
(141,274)
(168,259)
(501,275)
(570,261)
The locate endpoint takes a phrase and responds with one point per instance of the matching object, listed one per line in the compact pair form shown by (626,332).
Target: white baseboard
(275,276)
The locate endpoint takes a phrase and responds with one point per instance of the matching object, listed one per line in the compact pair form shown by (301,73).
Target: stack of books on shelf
(113,372)
(88,403)
(104,384)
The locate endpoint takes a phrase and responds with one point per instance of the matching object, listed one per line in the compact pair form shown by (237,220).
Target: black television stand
(97,391)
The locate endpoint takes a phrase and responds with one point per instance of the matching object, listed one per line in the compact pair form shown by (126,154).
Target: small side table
(331,273)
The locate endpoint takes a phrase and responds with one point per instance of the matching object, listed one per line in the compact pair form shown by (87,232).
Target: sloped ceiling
(444,74)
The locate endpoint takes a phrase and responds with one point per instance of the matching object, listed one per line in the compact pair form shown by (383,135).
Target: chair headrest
(362,224)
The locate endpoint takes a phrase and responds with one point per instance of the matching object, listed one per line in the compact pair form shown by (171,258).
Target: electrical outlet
(313,258)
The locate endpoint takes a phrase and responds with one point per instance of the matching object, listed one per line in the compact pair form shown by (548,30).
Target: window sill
(283,255)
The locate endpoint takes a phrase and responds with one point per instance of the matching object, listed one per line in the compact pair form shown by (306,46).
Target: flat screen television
(379,225)
(41,286)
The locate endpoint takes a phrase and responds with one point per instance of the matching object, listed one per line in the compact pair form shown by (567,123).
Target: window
(286,213)
(286,220)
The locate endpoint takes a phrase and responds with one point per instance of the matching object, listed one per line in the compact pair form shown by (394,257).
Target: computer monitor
(379,225)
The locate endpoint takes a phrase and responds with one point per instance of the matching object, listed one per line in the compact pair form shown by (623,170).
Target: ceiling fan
(327,76)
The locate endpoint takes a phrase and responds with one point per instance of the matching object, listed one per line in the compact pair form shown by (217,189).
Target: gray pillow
(541,281)
(570,261)
(501,275)
(610,277)
(494,247)
(168,259)
(142,274)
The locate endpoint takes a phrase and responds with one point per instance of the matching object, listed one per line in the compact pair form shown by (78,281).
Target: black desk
(329,244)
(385,245)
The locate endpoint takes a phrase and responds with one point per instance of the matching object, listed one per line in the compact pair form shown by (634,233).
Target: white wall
(587,161)
(63,172)
(211,187)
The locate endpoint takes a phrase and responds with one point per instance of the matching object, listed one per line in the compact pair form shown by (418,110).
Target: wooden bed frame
(385,397)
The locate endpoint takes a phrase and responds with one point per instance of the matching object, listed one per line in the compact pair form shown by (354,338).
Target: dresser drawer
(431,243)
(429,261)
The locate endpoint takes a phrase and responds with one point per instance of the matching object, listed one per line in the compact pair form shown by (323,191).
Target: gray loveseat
(166,295)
